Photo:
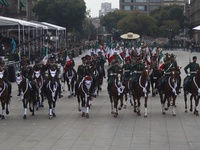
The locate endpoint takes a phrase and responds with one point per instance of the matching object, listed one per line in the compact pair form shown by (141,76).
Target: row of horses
(90,86)
(167,94)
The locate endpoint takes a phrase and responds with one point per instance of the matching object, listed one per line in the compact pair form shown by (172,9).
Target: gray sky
(95,6)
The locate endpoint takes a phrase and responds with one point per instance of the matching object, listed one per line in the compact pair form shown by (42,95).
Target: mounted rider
(52,63)
(82,71)
(137,71)
(39,66)
(5,76)
(102,61)
(70,64)
(193,67)
(27,72)
(168,65)
(127,70)
(111,73)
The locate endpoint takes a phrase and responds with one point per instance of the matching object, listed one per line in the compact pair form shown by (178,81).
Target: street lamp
(170,37)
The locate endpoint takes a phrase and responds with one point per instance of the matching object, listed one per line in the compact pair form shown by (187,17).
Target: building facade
(145,6)
(195,19)
(105,8)
(21,9)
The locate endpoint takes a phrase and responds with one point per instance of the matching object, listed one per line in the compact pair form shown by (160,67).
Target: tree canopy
(66,13)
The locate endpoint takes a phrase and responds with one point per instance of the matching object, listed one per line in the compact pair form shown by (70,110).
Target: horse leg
(111,102)
(185,99)
(138,109)
(7,111)
(191,105)
(87,107)
(145,107)
(78,99)
(72,88)
(37,102)
(54,108)
(126,98)
(69,90)
(25,108)
(50,108)
(115,106)
(42,98)
(196,112)
(135,105)
(3,109)
(174,106)
(32,102)
(83,106)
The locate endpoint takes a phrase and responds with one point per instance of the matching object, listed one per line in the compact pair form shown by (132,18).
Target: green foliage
(111,19)
(66,13)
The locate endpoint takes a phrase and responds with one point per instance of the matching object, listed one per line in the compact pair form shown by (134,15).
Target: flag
(68,63)
(45,59)
(161,61)
(127,55)
(13,44)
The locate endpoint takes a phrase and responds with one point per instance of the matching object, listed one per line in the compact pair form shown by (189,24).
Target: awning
(196,28)
(22,4)
(5,2)
(54,26)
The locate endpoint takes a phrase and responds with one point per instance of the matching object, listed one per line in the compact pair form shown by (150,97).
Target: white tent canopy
(35,28)
(196,28)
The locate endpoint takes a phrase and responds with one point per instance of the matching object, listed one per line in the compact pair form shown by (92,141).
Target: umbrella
(130,36)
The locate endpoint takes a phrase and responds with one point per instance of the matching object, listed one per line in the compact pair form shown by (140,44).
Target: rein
(4,87)
(120,89)
(144,88)
(23,93)
(173,88)
(53,91)
(196,86)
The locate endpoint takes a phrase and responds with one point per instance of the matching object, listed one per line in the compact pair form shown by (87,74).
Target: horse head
(146,73)
(174,74)
(88,82)
(37,73)
(119,78)
(19,77)
(1,73)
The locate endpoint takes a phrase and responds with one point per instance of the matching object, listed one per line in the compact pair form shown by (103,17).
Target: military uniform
(127,69)
(167,71)
(112,70)
(193,66)
(102,61)
(137,71)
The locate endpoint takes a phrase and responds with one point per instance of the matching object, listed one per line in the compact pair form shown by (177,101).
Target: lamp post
(170,37)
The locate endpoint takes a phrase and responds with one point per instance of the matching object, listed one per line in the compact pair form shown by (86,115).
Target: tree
(165,15)
(66,13)
(110,20)
(138,23)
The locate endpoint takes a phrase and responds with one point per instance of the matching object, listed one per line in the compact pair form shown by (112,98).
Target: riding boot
(9,87)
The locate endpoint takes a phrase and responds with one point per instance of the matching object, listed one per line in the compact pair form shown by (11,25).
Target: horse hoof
(79,109)
(145,116)
(197,113)
(50,116)
(87,116)
(186,111)
(139,114)
(119,108)
(37,108)
(125,107)
(134,111)
(166,109)
(54,115)
(7,112)
(2,117)
(115,116)
(190,109)
(24,117)
(174,115)
(69,96)
(33,114)
(41,105)
(83,114)
(112,112)
(163,113)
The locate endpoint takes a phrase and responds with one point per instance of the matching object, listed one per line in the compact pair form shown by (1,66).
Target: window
(140,1)
(155,1)
(152,7)
(141,8)
(127,1)
(127,7)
